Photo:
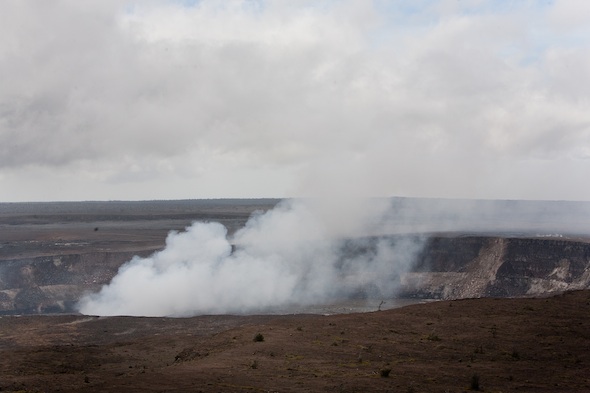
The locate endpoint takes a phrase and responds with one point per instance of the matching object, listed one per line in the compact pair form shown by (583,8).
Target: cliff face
(462,267)
(47,284)
(446,268)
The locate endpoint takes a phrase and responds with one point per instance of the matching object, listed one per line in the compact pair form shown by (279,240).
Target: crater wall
(446,268)
(484,266)
(52,253)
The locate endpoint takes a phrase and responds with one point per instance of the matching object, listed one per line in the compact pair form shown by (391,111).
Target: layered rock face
(49,284)
(446,268)
(481,266)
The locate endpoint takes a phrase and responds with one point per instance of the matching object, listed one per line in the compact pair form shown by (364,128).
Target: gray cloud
(113,99)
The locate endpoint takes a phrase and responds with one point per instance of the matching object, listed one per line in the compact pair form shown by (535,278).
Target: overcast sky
(169,99)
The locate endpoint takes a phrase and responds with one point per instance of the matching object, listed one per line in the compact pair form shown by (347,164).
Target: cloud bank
(171,99)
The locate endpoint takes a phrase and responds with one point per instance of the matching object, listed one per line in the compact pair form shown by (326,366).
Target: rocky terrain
(50,254)
(497,266)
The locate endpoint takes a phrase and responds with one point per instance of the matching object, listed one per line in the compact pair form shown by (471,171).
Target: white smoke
(301,252)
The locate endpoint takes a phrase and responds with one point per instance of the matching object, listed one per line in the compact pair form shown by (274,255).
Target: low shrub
(474,384)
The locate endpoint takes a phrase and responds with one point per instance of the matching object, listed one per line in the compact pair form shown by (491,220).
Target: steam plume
(300,252)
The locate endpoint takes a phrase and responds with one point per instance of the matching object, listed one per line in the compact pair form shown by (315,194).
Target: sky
(161,99)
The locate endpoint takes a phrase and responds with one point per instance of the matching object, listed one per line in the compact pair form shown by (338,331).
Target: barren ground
(35,229)
(538,345)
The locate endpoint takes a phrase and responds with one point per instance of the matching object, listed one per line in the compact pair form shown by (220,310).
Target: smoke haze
(291,255)
(310,252)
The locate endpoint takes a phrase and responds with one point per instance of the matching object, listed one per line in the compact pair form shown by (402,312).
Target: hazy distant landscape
(53,253)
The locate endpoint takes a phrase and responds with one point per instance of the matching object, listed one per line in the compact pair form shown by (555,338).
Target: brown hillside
(538,345)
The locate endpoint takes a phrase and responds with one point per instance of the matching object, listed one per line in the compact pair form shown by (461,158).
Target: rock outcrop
(49,284)
(477,266)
